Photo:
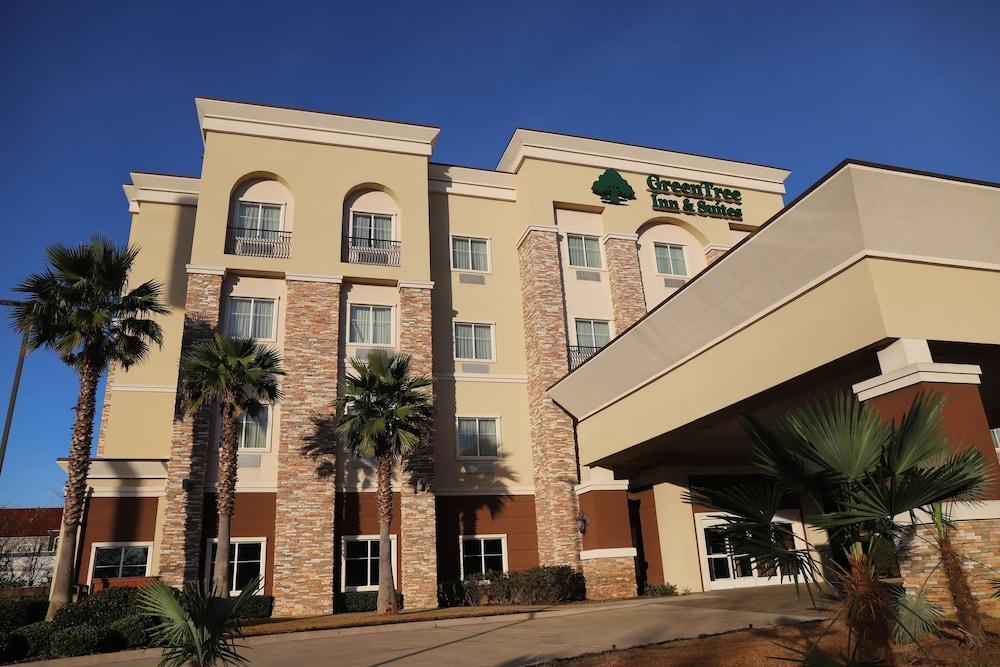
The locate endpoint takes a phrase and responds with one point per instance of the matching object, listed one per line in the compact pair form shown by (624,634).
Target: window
(373,230)
(473,341)
(251,318)
(995,432)
(254,431)
(670,259)
(482,554)
(371,325)
(246,559)
(360,562)
(592,333)
(120,561)
(477,438)
(469,254)
(584,251)
(257,220)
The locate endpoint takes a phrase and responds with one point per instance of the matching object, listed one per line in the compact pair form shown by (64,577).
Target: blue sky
(93,90)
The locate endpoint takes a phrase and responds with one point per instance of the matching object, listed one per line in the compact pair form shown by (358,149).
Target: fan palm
(196,627)
(240,377)
(863,472)
(384,413)
(80,307)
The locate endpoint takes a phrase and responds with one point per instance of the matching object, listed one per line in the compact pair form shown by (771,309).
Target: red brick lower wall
(253,516)
(357,514)
(114,520)
(977,541)
(642,512)
(513,516)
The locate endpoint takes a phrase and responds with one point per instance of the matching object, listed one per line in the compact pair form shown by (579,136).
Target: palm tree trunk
(966,606)
(868,608)
(225,497)
(76,485)
(386,601)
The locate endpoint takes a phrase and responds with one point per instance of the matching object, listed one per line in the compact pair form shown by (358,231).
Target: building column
(418,520)
(628,301)
(608,555)
(180,549)
(303,525)
(553,445)
(907,371)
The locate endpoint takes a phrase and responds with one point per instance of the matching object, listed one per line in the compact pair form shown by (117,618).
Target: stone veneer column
(418,521)
(180,547)
(628,301)
(553,446)
(303,524)
(608,556)
(909,371)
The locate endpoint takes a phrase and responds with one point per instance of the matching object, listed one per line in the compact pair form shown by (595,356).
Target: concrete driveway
(521,639)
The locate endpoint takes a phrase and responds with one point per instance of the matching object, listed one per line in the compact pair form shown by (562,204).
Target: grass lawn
(752,648)
(273,626)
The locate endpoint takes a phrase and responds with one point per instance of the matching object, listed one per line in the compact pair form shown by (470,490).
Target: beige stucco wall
(678,538)
(320,180)
(585,299)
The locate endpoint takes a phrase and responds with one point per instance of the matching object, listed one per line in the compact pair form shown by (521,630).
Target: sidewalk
(514,639)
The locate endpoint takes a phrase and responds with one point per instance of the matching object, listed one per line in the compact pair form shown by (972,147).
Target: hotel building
(594,315)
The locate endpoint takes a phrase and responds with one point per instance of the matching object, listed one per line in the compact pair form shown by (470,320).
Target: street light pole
(13,389)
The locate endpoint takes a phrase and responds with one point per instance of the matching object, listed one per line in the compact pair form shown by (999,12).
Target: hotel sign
(704,198)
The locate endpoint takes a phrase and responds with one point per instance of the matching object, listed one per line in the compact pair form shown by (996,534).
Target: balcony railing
(258,242)
(579,354)
(372,251)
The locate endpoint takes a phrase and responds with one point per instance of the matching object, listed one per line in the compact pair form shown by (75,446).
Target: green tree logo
(612,188)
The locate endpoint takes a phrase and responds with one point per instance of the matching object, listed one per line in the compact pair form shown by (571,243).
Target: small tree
(80,307)
(240,377)
(384,413)
(612,188)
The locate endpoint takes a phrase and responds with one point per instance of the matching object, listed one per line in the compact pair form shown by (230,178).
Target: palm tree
(80,307)
(240,376)
(384,413)
(196,627)
(863,472)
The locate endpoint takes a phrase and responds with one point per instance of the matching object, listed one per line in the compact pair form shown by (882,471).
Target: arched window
(669,256)
(371,222)
(260,220)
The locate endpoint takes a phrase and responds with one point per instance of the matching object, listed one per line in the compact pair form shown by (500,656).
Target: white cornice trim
(207,270)
(985,509)
(156,388)
(161,189)
(128,492)
(123,468)
(481,491)
(535,228)
(715,246)
(620,237)
(585,151)
(416,284)
(602,485)
(314,278)
(477,377)
(471,182)
(314,127)
(622,552)
(916,373)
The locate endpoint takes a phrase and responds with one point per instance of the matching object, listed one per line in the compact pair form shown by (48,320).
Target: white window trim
(458,449)
(392,325)
(683,252)
(461,549)
(489,253)
(96,545)
(600,251)
(281,213)
(238,540)
(493,341)
(611,333)
(343,562)
(392,217)
(267,436)
(274,319)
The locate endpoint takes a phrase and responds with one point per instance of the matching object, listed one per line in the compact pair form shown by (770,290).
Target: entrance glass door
(724,568)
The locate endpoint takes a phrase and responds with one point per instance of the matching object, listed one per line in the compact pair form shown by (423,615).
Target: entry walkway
(520,639)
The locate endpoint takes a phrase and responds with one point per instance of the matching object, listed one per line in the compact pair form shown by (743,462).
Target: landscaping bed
(763,647)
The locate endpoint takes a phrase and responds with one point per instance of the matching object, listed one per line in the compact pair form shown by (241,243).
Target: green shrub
(662,590)
(362,601)
(100,609)
(127,632)
(260,606)
(32,640)
(77,640)
(537,585)
(18,612)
